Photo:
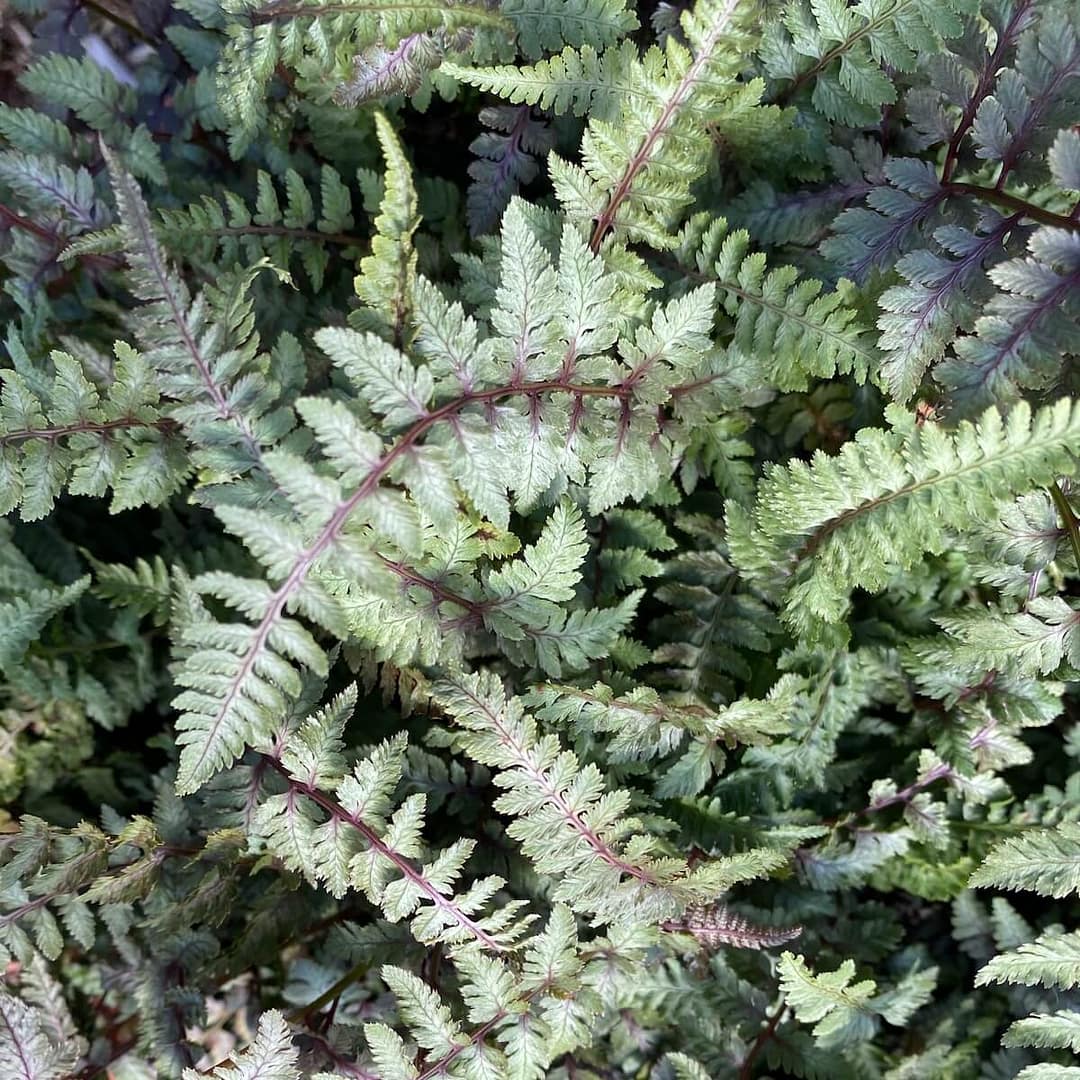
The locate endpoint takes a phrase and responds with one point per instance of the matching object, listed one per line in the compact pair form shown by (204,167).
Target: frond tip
(272,1056)
(715,925)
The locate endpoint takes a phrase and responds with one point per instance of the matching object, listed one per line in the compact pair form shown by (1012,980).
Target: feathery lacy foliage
(889,498)
(68,433)
(837,51)
(504,162)
(1046,862)
(640,160)
(541,539)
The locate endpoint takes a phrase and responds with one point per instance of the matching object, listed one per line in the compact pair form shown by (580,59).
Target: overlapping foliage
(541,540)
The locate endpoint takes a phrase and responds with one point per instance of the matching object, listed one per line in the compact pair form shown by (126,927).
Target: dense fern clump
(540,540)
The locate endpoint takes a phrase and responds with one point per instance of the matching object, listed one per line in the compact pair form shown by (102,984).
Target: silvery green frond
(379,72)
(607,863)
(319,41)
(520,511)
(795,328)
(1060,1030)
(387,276)
(806,513)
(272,1056)
(578,81)
(673,96)
(28,1052)
(69,433)
(1051,960)
(1027,328)
(301,226)
(543,28)
(1043,861)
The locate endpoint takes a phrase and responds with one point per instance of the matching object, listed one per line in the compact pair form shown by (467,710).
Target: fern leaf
(550,323)
(714,926)
(52,190)
(899,212)
(683,90)
(271,1056)
(1046,862)
(920,318)
(607,864)
(66,436)
(792,326)
(387,276)
(889,497)
(505,162)
(1060,1030)
(380,72)
(29,1053)
(344,830)
(189,356)
(1027,329)
(838,1008)
(840,49)
(306,32)
(1051,960)
(545,27)
(578,81)
(233,233)
(1036,641)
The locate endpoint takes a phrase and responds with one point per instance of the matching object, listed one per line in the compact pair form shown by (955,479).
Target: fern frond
(714,926)
(271,1056)
(144,587)
(796,330)
(545,27)
(194,357)
(35,133)
(23,617)
(387,276)
(840,50)
(323,39)
(578,81)
(53,190)
(1028,327)
(839,1009)
(1046,862)
(380,72)
(920,319)
(1060,1030)
(1051,960)
(901,209)
(521,1020)
(889,497)
(844,1013)
(549,324)
(505,162)
(341,830)
(1032,99)
(28,1052)
(1036,641)
(88,89)
(682,90)
(67,434)
(713,628)
(231,233)
(607,864)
